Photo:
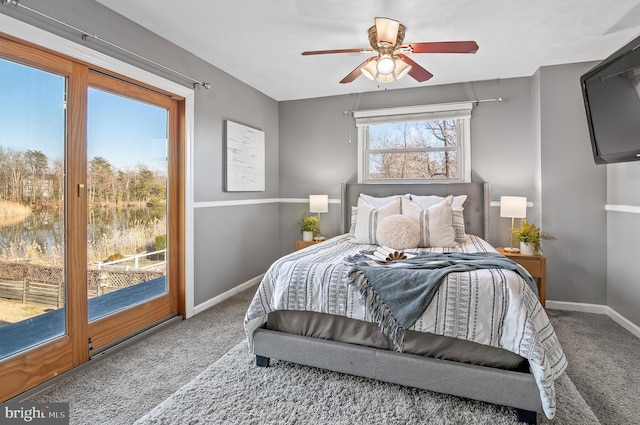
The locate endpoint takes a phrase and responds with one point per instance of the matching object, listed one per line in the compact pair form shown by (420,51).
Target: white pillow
(436,222)
(457,211)
(458,225)
(398,231)
(380,202)
(368,218)
(429,200)
(354,216)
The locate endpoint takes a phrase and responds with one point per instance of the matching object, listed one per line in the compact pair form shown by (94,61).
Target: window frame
(458,110)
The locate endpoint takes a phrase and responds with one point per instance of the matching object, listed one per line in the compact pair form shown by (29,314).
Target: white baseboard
(569,306)
(598,309)
(230,293)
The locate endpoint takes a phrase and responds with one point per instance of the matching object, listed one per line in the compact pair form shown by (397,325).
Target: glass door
(128,134)
(32,243)
(90,212)
(35,320)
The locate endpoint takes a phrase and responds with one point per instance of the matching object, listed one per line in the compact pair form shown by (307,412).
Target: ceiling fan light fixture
(390,60)
(385,78)
(402,68)
(370,70)
(385,65)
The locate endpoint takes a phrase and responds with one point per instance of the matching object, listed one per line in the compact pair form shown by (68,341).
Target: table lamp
(513,207)
(319,204)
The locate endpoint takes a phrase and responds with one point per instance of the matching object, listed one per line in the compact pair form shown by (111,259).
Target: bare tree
(57,177)
(15,174)
(36,165)
(413,150)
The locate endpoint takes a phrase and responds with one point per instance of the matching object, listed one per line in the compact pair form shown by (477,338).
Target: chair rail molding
(633,209)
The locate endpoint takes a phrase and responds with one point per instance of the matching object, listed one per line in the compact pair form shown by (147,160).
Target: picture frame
(245,158)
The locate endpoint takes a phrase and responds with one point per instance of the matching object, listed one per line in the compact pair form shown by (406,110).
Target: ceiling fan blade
(387,30)
(444,47)
(356,72)
(417,72)
(327,52)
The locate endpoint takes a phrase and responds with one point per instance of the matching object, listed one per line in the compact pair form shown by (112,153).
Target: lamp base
(508,249)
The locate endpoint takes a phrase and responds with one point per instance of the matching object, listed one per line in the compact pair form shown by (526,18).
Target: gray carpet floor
(233,391)
(123,387)
(604,364)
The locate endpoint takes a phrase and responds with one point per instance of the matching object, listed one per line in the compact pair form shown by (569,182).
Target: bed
(483,336)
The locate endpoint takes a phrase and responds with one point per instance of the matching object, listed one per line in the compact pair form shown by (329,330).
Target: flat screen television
(611,92)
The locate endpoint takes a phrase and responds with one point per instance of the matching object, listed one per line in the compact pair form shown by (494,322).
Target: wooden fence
(31,283)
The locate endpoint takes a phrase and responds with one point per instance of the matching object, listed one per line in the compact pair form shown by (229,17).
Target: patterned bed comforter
(490,306)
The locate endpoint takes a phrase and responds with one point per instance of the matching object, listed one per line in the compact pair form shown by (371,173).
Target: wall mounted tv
(611,92)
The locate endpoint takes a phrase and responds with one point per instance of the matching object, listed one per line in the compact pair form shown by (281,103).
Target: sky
(124,131)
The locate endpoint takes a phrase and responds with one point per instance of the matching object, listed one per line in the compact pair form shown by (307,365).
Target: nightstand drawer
(534,267)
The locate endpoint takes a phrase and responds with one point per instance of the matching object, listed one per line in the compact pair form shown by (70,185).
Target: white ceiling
(260,41)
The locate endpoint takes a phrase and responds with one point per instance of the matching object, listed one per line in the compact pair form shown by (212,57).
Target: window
(417,143)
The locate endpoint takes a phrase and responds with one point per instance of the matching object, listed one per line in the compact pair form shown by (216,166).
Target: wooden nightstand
(304,244)
(536,265)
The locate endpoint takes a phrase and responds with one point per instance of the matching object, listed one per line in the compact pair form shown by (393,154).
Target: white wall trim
(623,208)
(189,220)
(231,292)
(412,110)
(497,204)
(598,309)
(236,202)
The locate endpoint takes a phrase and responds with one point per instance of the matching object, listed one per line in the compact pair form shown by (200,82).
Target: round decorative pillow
(398,232)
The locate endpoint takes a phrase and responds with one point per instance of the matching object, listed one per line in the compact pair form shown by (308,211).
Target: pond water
(109,230)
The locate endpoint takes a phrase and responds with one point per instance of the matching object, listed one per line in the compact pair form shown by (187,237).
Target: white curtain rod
(86,35)
(476,102)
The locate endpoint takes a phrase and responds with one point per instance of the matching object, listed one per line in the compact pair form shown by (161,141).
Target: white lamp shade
(402,68)
(370,70)
(513,206)
(387,30)
(318,203)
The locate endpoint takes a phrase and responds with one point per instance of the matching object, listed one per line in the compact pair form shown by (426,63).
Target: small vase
(307,236)
(526,248)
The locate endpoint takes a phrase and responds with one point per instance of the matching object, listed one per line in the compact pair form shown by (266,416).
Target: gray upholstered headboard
(476,207)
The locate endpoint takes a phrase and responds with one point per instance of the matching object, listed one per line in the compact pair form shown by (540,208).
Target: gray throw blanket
(399,292)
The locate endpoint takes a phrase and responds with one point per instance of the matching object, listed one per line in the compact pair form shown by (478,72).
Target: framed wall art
(245,158)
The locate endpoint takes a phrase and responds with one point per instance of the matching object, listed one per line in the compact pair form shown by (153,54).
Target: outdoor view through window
(416,150)
(125,194)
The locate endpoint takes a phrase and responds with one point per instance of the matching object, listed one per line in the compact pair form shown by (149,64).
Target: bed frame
(514,389)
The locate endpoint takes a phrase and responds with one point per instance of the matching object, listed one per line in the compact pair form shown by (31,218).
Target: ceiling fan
(391,62)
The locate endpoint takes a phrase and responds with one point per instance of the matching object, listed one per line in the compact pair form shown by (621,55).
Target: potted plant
(530,237)
(310,226)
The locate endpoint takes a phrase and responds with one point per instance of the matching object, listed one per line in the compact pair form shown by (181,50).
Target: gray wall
(224,236)
(623,229)
(534,144)
(573,191)
(318,146)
